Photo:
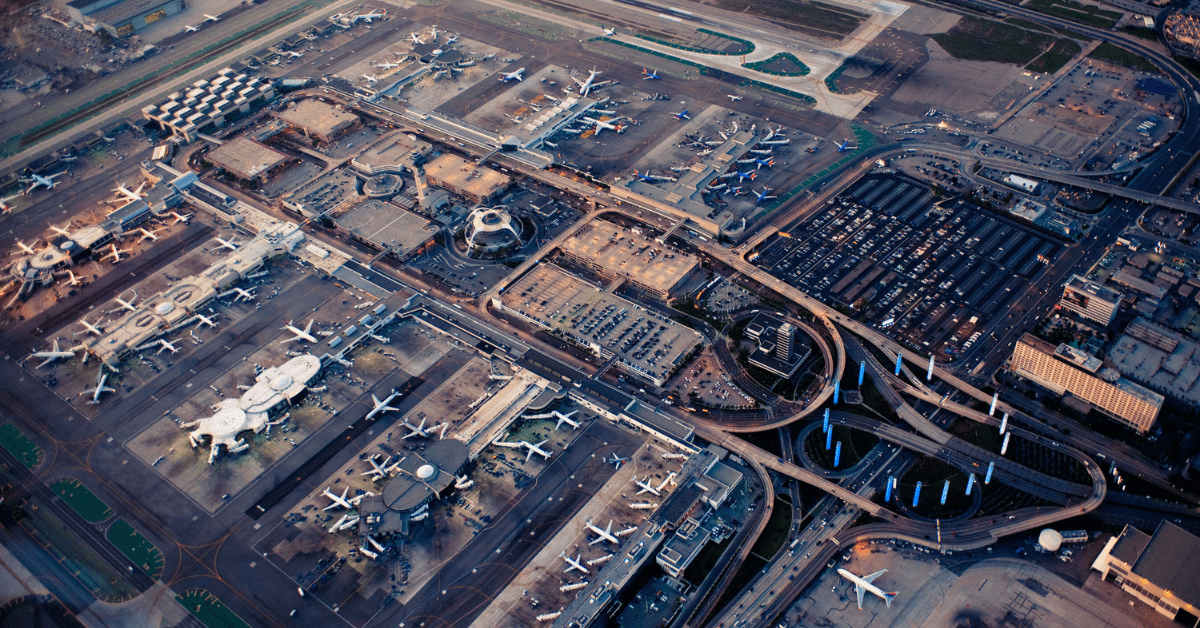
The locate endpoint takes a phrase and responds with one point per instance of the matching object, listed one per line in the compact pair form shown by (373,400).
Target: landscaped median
(209,610)
(82,500)
(19,445)
(138,548)
(780,64)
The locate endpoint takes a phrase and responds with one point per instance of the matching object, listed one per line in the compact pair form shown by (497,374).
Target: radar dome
(426,472)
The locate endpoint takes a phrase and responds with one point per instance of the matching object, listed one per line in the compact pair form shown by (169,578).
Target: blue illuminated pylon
(945,491)
(987,479)
(837,386)
(970,483)
(887,494)
(862,370)
(828,440)
(825,424)
(899,360)
(837,454)
(917,495)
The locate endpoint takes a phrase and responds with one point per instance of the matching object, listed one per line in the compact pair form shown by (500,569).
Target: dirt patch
(952,85)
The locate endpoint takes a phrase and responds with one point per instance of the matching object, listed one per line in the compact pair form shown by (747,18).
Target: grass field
(19,445)
(209,610)
(780,64)
(1121,56)
(1076,12)
(91,570)
(976,39)
(813,17)
(82,500)
(1056,57)
(137,547)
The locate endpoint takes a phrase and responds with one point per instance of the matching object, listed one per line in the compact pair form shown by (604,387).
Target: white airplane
(191,29)
(338,502)
(116,254)
(863,585)
(417,430)
(451,40)
(100,388)
(24,247)
(181,218)
(4,206)
(241,294)
(605,124)
(50,356)
(163,345)
(610,31)
(211,18)
(733,97)
(415,39)
(605,535)
(387,66)
(74,280)
(295,55)
(381,406)
(132,195)
(512,76)
(586,86)
(380,471)
(531,449)
(434,32)
(301,334)
(148,235)
(566,418)
(370,79)
(204,320)
(646,486)
(90,328)
(574,563)
(46,182)
(368,17)
(616,461)
(59,230)
(670,479)
(128,305)
(230,244)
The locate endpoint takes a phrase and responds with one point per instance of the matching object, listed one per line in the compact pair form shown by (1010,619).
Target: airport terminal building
(121,17)
(1158,570)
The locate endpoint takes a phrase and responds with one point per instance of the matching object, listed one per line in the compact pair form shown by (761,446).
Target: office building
(1090,300)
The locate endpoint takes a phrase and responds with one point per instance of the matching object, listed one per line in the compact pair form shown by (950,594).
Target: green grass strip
(82,500)
(138,548)
(209,610)
(747,45)
(1121,56)
(760,66)
(19,445)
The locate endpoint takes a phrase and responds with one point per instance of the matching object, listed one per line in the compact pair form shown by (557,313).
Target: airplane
(605,535)
(381,406)
(604,124)
(863,584)
(417,430)
(646,486)
(241,294)
(682,115)
(74,280)
(116,254)
(52,355)
(128,305)
(617,461)
(762,196)
(512,76)
(368,17)
(764,162)
(24,247)
(100,388)
(742,176)
(844,146)
(91,328)
(163,345)
(4,206)
(230,244)
(733,97)
(46,182)
(566,418)
(370,79)
(204,320)
(295,55)
(147,235)
(191,29)
(610,31)
(211,18)
(574,563)
(451,40)
(380,471)
(301,334)
(413,38)
(338,502)
(535,449)
(586,86)
(647,76)
(132,195)
(59,230)
(181,218)
(737,191)
(387,66)
(650,178)
(433,32)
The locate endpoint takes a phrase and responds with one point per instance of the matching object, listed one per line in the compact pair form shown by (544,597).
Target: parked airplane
(574,564)
(26,248)
(230,244)
(650,76)
(610,31)
(682,115)
(387,66)
(132,195)
(616,461)
(742,176)
(46,182)
(733,97)
(565,418)
(59,230)
(512,76)
(338,501)
(367,17)
(381,406)
(651,178)
(4,206)
(90,328)
(204,320)
(241,294)
(764,162)
(380,471)
(417,430)
(450,40)
(295,55)
(586,86)
(433,32)
(52,355)
(604,124)
(211,18)
(531,449)
(148,235)
(300,334)
(128,305)
(605,535)
(414,39)
(370,79)
(863,585)
(74,280)
(646,486)
(116,254)
(844,146)
(100,388)
(162,345)
(181,218)
(191,29)
(762,196)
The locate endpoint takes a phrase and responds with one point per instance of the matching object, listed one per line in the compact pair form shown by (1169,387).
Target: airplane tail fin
(888,597)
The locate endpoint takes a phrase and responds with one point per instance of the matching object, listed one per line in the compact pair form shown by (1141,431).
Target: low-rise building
(615,252)
(1090,300)
(1159,570)
(121,17)
(318,119)
(475,183)
(248,160)
(1163,360)
(209,103)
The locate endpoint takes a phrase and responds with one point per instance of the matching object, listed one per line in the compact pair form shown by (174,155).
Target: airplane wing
(872,577)
(860,591)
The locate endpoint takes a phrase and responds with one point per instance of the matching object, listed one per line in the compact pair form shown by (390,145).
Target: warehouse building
(1159,570)
(121,17)
(615,253)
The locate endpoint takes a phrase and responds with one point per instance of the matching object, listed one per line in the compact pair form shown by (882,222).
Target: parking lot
(931,273)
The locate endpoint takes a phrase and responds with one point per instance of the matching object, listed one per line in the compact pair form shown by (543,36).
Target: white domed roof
(164,308)
(1050,540)
(282,381)
(426,472)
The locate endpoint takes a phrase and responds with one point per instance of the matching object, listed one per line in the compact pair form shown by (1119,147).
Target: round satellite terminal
(437,52)
(426,472)
(282,382)
(164,308)
(1050,540)
(67,245)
